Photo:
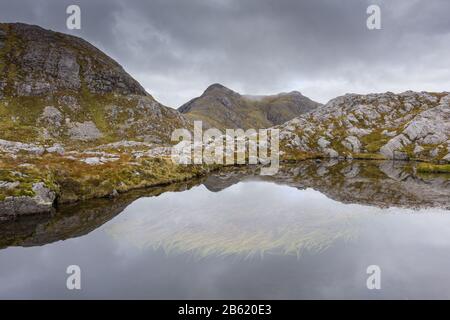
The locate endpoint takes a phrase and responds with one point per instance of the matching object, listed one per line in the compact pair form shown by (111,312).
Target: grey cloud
(321,48)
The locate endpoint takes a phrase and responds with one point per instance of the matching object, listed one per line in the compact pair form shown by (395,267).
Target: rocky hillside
(59,88)
(222,108)
(409,125)
(74,125)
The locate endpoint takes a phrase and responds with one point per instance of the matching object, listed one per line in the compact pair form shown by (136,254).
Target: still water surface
(309,232)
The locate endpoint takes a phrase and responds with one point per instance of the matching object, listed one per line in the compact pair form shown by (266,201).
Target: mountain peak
(45,62)
(217,87)
(55,87)
(221,107)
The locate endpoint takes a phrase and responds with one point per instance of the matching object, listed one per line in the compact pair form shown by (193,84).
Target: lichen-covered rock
(15,147)
(9,185)
(69,101)
(352,143)
(84,131)
(359,132)
(51,117)
(395,144)
(56,148)
(42,201)
(431,126)
(330,153)
(323,143)
(98,160)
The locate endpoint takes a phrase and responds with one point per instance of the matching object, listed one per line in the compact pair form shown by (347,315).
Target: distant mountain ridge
(222,108)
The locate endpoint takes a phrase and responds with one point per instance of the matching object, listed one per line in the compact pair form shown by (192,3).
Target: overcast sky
(322,48)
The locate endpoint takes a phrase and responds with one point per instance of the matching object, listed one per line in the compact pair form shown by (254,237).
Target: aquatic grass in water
(248,219)
(244,220)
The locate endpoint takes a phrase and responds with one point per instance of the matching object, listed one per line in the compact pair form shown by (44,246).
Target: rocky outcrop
(409,125)
(222,108)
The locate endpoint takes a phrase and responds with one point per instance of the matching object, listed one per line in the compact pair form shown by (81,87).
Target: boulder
(84,131)
(392,148)
(42,201)
(323,143)
(56,148)
(51,117)
(331,153)
(352,143)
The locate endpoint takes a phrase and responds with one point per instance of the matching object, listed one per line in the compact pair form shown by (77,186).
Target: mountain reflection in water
(311,231)
(250,218)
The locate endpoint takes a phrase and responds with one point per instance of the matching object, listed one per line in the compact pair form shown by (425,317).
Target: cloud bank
(322,48)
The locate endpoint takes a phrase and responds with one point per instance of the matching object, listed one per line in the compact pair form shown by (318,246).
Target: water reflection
(75,220)
(376,183)
(308,232)
(249,220)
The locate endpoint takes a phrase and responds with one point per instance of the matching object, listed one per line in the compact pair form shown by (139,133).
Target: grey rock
(84,131)
(389,133)
(417,150)
(351,171)
(51,117)
(359,132)
(43,195)
(392,148)
(15,147)
(9,185)
(434,152)
(331,153)
(447,157)
(56,148)
(92,160)
(124,144)
(98,160)
(323,143)
(42,201)
(352,143)
(425,118)
(431,126)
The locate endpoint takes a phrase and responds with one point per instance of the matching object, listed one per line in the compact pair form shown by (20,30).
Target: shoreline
(56,184)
